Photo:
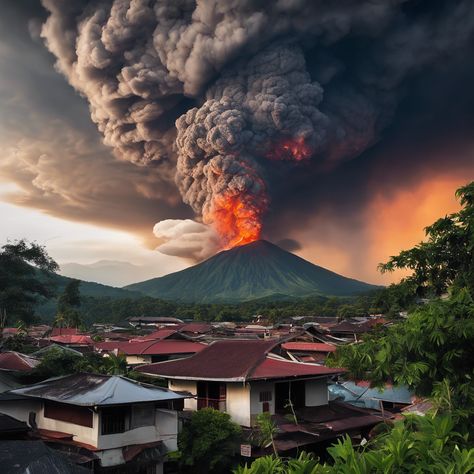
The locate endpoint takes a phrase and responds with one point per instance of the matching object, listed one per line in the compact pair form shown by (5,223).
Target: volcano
(256,270)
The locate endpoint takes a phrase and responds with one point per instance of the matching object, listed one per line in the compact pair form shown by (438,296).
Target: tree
(68,304)
(208,442)
(267,430)
(416,444)
(446,258)
(433,346)
(25,270)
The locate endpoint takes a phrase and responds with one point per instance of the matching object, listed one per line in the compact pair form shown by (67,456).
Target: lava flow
(237,221)
(290,149)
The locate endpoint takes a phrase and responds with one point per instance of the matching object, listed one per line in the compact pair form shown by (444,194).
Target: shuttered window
(69,413)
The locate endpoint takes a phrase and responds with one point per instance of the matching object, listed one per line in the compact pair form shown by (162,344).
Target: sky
(389,133)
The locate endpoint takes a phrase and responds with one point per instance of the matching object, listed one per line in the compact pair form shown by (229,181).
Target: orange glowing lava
(236,220)
(290,149)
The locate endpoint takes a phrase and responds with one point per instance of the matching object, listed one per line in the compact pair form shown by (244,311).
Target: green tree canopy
(208,442)
(24,278)
(445,259)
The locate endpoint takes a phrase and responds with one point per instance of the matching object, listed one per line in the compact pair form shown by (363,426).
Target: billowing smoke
(231,96)
(186,238)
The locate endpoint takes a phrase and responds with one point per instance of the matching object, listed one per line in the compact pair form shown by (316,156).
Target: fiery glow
(290,149)
(236,220)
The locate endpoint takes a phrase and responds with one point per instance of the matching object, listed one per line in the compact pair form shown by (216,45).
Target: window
(266,396)
(115,420)
(69,413)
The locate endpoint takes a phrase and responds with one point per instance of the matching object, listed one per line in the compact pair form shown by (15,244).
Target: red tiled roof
(199,328)
(238,360)
(10,331)
(308,347)
(15,361)
(72,339)
(163,347)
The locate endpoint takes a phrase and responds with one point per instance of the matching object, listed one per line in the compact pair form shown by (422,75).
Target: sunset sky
(61,186)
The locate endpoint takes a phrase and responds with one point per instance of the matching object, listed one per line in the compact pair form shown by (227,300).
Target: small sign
(246,450)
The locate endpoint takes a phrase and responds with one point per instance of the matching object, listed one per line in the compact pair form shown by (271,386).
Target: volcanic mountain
(256,270)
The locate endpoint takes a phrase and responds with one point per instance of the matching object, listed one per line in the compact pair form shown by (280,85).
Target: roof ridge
(261,359)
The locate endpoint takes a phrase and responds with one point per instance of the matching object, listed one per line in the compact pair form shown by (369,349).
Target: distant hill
(108,272)
(47,309)
(256,270)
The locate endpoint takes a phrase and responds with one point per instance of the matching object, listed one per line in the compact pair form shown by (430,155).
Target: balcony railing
(211,403)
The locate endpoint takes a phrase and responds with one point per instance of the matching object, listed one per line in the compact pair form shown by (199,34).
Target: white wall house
(108,414)
(241,378)
(243,401)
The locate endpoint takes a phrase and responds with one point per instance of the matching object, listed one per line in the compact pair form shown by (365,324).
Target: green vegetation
(433,346)
(416,444)
(21,263)
(445,260)
(68,306)
(57,362)
(208,442)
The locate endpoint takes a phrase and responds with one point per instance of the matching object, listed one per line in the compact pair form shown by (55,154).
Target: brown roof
(235,360)
(308,346)
(17,362)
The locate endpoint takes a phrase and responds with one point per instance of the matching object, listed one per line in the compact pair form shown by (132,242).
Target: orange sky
(391,223)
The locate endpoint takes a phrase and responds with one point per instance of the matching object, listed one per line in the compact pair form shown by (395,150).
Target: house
(243,378)
(147,351)
(153,321)
(110,420)
(315,352)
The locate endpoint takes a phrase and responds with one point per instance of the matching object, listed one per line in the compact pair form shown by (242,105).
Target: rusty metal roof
(96,390)
(235,360)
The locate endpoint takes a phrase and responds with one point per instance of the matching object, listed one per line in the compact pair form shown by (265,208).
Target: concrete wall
(163,426)
(316,392)
(185,386)
(256,406)
(167,423)
(238,403)
(138,359)
(20,409)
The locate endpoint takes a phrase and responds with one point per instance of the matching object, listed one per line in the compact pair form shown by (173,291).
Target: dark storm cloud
(52,151)
(273,101)
(286,82)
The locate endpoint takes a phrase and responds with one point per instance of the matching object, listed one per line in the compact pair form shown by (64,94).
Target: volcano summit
(256,270)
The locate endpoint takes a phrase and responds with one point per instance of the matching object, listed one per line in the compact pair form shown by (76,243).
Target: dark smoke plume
(256,88)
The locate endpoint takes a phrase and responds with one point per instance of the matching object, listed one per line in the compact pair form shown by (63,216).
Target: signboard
(246,450)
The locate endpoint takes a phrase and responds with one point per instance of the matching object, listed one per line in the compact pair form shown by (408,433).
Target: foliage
(446,258)
(267,430)
(18,343)
(208,442)
(431,348)
(57,362)
(68,305)
(416,444)
(21,265)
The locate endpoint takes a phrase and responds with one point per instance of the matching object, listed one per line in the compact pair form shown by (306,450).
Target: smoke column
(224,96)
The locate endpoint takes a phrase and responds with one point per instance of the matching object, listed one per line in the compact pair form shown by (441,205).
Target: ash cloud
(259,91)
(186,238)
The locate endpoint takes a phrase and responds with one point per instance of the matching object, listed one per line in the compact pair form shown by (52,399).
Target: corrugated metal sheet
(34,457)
(96,390)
